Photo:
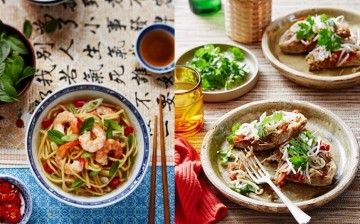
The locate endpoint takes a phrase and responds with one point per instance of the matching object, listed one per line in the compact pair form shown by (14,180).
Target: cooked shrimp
(75,166)
(102,110)
(101,156)
(66,117)
(62,152)
(93,145)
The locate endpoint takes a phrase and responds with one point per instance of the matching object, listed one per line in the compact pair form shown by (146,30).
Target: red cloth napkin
(194,202)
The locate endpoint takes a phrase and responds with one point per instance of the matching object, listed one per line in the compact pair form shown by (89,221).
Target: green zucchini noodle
(93,151)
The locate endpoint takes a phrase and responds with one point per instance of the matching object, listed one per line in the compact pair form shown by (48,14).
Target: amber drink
(189,108)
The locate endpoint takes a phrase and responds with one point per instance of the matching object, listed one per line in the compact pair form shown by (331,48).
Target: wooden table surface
(192,31)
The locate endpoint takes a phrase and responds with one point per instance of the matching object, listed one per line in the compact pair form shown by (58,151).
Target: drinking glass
(205,7)
(189,106)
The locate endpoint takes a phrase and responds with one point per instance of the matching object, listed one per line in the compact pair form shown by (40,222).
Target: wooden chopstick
(153,174)
(163,165)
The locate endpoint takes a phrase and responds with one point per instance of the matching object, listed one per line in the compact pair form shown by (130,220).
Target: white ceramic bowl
(70,93)
(156,26)
(26,200)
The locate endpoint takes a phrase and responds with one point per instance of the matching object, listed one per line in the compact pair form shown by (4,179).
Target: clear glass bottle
(205,7)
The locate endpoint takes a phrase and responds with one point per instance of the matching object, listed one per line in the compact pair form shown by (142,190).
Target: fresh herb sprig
(329,39)
(305,32)
(13,71)
(298,149)
(219,70)
(278,116)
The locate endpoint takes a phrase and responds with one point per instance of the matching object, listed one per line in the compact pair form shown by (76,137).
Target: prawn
(62,152)
(63,118)
(101,156)
(93,145)
(102,110)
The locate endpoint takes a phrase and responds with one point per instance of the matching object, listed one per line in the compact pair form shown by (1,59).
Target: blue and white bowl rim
(100,203)
(143,32)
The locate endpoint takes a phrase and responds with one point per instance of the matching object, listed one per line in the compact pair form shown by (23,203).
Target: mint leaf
(77,184)
(26,73)
(8,88)
(17,45)
(55,136)
(114,167)
(4,50)
(87,125)
(51,26)
(27,28)
(4,97)
(2,69)
(17,67)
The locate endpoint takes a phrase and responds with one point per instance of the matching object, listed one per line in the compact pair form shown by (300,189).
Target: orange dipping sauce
(157,48)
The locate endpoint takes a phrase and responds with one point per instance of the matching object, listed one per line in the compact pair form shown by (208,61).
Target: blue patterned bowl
(26,201)
(154,27)
(70,93)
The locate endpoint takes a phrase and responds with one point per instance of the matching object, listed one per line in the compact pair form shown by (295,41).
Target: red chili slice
(13,194)
(82,161)
(47,168)
(4,194)
(128,131)
(45,124)
(2,213)
(79,122)
(13,215)
(115,182)
(79,103)
(325,147)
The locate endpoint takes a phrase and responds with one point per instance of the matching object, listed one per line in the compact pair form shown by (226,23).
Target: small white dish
(224,95)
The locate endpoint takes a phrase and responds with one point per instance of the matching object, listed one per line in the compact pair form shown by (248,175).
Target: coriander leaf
(93,173)
(234,128)
(56,136)
(17,45)
(27,28)
(243,189)
(51,26)
(87,155)
(299,161)
(305,32)
(77,184)
(323,17)
(329,39)
(310,20)
(87,125)
(4,50)
(26,73)
(238,54)
(114,167)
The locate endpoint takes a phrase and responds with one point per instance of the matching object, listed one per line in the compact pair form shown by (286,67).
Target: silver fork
(261,176)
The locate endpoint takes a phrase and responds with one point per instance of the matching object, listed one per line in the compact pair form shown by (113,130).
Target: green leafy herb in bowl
(220,69)
(17,63)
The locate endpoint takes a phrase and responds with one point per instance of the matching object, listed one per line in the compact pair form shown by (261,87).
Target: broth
(157,48)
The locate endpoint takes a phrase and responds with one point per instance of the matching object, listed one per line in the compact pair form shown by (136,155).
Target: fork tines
(253,166)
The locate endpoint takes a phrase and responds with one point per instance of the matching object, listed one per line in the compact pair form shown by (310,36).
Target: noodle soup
(87,147)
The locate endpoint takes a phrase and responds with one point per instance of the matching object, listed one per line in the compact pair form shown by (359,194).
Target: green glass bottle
(205,7)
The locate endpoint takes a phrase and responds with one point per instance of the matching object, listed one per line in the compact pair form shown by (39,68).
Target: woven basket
(245,20)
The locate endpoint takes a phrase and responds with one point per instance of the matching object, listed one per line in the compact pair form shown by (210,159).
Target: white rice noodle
(291,166)
(290,40)
(342,61)
(305,42)
(338,20)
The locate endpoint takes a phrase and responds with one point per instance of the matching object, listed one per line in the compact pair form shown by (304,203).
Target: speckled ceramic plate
(294,67)
(344,150)
(222,95)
